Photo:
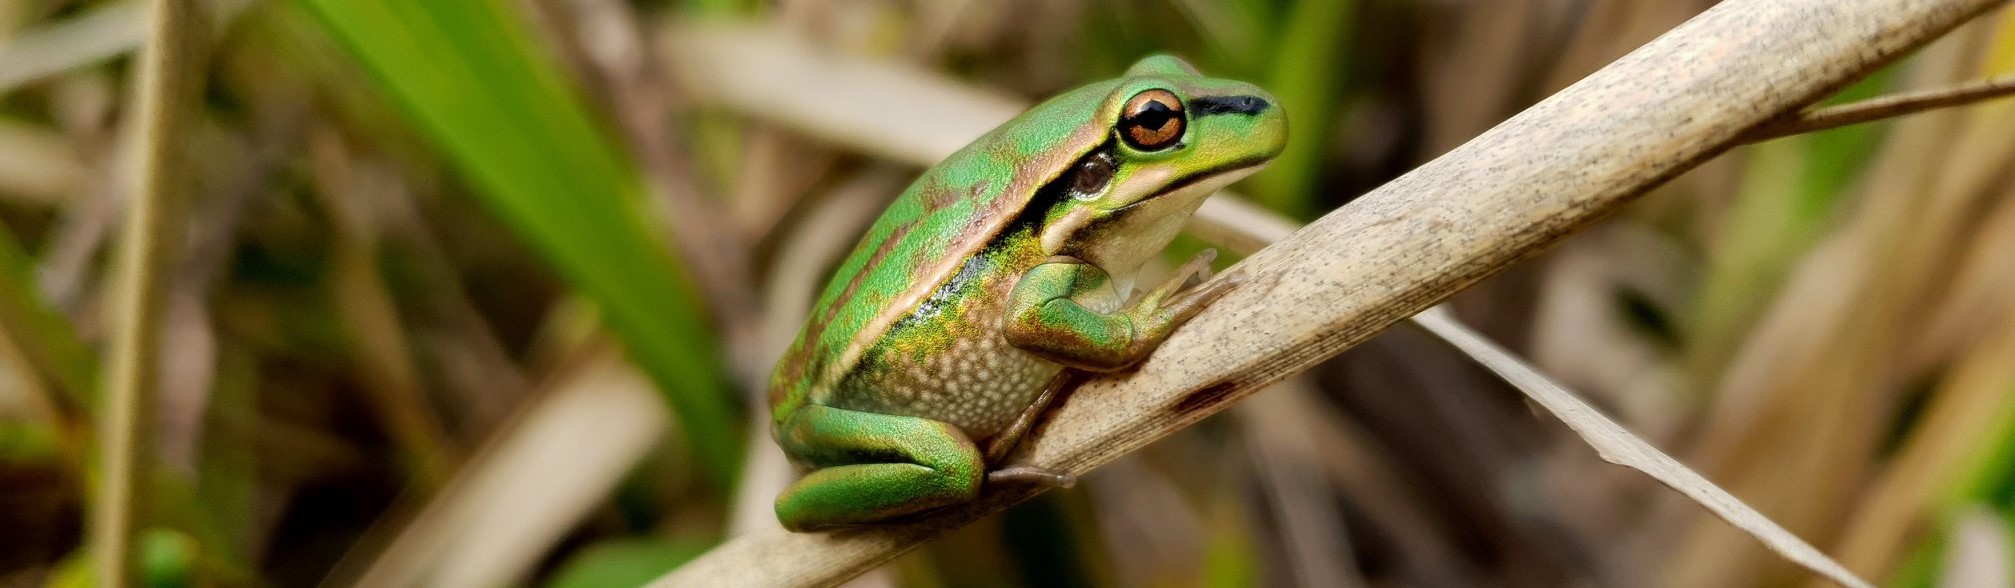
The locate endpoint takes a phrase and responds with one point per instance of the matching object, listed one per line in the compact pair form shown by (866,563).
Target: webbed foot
(1028,474)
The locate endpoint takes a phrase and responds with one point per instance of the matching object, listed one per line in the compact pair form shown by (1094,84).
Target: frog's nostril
(1253,103)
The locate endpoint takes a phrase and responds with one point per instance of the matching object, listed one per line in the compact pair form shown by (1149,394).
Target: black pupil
(1153,115)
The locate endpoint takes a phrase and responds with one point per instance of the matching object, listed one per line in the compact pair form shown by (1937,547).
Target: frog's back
(927,234)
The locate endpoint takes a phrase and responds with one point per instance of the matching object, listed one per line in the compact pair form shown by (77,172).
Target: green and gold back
(943,225)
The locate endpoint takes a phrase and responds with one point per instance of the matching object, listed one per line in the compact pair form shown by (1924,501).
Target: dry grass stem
(1496,200)
(101,33)
(1812,390)
(1891,106)
(1289,465)
(937,116)
(348,190)
(1620,447)
(1237,223)
(40,169)
(1970,402)
(640,100)
(543,473)
(155,219)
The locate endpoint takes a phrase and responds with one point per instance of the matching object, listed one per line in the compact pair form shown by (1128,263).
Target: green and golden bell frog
(946,332)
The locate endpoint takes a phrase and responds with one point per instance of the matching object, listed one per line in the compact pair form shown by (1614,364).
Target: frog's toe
(1197,269)
(1028,474)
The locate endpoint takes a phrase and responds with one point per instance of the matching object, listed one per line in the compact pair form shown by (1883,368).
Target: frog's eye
(1152,120)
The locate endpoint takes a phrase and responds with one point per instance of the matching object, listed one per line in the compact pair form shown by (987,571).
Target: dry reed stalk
(526,488)
(168,89)
(1802,410)
(348,188)
(1610,440)
(1973,336)
(1885,107)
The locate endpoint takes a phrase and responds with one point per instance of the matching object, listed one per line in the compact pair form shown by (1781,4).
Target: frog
(999,275)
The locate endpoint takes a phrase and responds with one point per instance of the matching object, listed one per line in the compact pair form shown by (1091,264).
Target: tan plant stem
(155,214)
(1882,107)
(1235,224)
(1620,447)
(1500,198)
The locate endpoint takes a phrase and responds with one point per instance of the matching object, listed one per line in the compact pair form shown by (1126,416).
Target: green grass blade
(1308,81)
(44,335)
(471,79)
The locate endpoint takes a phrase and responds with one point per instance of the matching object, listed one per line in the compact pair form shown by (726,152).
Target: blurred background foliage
(481,292)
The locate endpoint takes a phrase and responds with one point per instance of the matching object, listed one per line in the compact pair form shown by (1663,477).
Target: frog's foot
(1044,319)
(871,467)
(1197,269)
(1186,294)
(1028,474)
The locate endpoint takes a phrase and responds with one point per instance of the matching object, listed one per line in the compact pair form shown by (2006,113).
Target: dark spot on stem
(1204,397)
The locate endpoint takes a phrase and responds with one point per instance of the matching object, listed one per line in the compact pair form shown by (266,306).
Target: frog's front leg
(873,467)
(1046,316)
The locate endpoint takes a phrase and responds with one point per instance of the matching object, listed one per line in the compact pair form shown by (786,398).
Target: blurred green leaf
(1230,555)
(1788,194)
(44,335)
(1920,564)
(227,480)
(1041,538)
(1307,78)
(1836,157)
(496,106)
(626,562)
(74,571)
(53,345)
(167,560)
(28,442)
(1989,473)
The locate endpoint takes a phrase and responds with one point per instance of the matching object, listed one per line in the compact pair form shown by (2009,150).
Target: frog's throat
(1120,241)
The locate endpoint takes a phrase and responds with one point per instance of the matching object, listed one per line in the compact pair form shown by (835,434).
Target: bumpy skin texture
(1001,267)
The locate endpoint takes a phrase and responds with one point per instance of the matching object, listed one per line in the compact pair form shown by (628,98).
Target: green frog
(1002,271)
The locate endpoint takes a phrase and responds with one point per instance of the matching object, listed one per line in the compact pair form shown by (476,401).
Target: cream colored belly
(980,384)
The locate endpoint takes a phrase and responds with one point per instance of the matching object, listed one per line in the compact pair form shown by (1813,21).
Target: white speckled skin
(949,362)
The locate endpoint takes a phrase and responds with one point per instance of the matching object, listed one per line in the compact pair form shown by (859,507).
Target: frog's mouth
(1237,166)
(1093,175)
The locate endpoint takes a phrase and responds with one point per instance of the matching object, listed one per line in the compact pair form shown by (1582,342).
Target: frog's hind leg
(872,467)
(1004,443)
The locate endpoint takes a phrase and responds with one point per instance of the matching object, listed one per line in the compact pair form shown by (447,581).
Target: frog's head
(1172,137)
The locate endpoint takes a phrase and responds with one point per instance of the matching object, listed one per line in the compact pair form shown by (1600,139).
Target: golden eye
(1152,120)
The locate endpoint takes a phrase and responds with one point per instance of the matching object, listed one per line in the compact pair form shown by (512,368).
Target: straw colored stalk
(525,489)
(1498,199)
(347,190)
(155,213)
(1971,405)
(1233,222)
(1803,407)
